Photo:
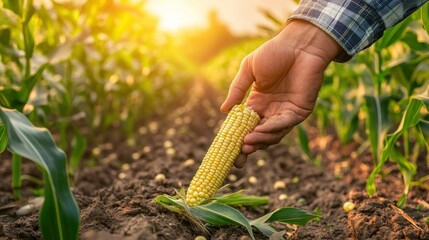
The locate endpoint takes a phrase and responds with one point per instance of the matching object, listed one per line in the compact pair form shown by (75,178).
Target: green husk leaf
(240,199)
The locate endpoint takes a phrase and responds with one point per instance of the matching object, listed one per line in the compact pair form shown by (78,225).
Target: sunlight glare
(175,15)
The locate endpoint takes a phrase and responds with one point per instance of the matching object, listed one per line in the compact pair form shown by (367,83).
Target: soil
(115,196)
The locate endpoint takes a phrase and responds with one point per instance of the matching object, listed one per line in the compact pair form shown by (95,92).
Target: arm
(286,72)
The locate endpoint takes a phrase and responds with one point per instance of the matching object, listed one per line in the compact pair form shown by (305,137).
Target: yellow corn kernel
(222,153)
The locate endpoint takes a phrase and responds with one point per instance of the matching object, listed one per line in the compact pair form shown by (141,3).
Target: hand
(285,74)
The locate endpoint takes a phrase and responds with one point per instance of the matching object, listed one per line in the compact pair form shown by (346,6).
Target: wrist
(307,37)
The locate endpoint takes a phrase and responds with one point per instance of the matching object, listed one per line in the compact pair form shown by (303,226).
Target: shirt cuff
(354,25)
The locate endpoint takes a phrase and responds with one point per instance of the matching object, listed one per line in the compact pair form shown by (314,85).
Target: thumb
(239,86)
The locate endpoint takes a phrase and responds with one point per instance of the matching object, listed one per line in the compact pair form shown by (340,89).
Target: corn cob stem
(221,155)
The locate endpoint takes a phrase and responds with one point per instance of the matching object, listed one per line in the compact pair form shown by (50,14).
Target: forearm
(355,24)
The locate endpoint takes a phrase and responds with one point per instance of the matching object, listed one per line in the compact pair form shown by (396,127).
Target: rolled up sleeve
(355,24)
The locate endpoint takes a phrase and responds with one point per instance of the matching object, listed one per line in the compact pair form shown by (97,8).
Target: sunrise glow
(176,15)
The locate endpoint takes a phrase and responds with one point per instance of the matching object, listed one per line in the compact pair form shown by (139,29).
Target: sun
(175,15)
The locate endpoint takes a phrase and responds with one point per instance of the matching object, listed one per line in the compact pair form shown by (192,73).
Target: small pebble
(142,130)
(33,205)
(279,185)
(160,177)
(153,127)
(135,156)
(96,151)
(168,144)
(122,175)
(348,206)
(189,162)
(253,180)
(146,149)
(260,163)
(125,167)
(170,152)
(171,132)
(283,196)
(232,177)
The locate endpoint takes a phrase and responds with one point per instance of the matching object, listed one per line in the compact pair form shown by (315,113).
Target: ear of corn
(222,153)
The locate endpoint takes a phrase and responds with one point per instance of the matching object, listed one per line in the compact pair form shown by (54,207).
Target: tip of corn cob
(222,153)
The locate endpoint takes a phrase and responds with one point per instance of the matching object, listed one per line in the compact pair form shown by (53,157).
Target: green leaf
(3,138)
(29,83)
(14,5)
(402,201)
(286,215)
(59,217)
(10,98)
(410,118)
(4,37)
(266,229)
(239,199)
(408,171)
(8,19)
(377,121)
(29,11)
(392,35)
(424,129)
(425,16)
(28,41)
(303,141)
(220,214)
(78,149)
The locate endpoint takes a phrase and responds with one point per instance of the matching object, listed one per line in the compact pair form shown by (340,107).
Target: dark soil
(115,196)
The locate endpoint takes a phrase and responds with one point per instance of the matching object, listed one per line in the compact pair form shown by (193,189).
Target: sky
(242,16)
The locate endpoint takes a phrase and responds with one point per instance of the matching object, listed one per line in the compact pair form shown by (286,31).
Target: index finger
(239,86)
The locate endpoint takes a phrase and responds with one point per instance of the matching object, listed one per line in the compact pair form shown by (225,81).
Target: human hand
(285,74)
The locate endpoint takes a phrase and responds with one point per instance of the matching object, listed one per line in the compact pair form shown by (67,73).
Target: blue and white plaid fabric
(355,24)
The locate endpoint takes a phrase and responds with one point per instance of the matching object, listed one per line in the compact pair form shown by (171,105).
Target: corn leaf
(220,214)
(78,149)
(408,171)
(392,35)
(266,229)
(377,122)
(286,215)
(8,18)
(14,5)
(3,138)
(424,129)
(240,199)
(425,16)
(29,83)
(59,217)
(303,142)
(410,119)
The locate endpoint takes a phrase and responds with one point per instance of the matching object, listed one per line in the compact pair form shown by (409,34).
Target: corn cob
(222,153)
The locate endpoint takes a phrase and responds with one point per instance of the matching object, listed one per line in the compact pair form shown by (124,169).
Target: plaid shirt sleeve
(355,24)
